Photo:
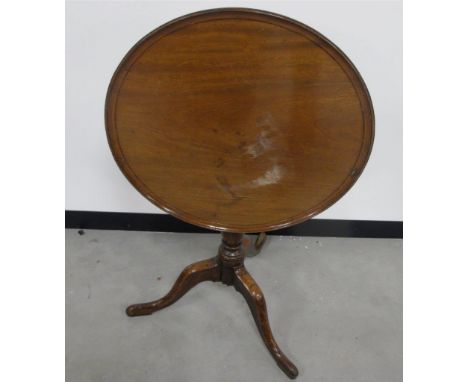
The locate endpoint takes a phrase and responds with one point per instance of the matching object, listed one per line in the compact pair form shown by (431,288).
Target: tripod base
(227,267)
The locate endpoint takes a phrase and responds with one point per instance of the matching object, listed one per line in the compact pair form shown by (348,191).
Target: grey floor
(335,307)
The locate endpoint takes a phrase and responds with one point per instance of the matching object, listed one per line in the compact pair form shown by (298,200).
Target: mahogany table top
(239,120)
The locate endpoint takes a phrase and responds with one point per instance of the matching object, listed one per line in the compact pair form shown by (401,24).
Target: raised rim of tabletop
(265,16)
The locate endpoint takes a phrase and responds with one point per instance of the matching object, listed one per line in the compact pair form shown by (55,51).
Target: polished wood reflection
(239,120)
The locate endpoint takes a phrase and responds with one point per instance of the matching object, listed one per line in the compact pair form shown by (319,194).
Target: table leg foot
(205,270)
(246,285)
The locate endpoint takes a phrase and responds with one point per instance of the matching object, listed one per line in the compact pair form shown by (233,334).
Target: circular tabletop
(239,120)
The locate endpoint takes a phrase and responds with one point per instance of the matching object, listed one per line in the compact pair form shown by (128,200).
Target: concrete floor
(335,307)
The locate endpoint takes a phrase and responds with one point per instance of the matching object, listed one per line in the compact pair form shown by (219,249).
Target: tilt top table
(240,121)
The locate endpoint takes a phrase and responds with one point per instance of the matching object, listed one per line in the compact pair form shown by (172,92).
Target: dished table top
(239,120)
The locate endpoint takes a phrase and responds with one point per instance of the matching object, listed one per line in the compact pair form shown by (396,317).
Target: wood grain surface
(239,120)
